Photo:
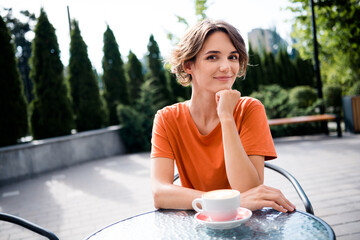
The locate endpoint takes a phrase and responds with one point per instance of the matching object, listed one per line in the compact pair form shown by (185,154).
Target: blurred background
(102,63)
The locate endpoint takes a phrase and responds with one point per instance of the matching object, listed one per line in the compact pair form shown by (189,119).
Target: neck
(202,107)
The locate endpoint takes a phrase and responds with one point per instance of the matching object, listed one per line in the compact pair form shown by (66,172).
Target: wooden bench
(307,119)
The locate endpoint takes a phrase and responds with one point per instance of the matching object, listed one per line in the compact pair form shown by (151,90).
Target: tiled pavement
(74,202)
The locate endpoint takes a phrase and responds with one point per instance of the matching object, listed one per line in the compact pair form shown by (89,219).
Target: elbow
(158,198)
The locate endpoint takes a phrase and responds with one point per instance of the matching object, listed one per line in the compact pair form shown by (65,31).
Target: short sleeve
(255,133)
(160,145)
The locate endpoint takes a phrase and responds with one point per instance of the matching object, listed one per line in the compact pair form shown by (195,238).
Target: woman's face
(216,65)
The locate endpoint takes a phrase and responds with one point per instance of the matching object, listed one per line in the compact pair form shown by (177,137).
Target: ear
(188,67)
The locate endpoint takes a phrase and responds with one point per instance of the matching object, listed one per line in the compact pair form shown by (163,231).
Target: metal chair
(29,225)
(293,181)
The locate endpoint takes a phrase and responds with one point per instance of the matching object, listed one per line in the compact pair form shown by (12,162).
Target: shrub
(275,100)
(355,90)
(303,101)
(302,96)
(132,132)
(332,98)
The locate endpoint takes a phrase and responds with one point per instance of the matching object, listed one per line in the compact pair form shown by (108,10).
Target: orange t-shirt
(200,158)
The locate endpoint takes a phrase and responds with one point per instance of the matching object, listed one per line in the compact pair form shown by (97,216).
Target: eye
(233,57)
(211,57)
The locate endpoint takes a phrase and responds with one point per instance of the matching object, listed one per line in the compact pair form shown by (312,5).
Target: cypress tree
(135,76)
(180,93)
(286,78)
(84,86)
(157,73)
(269,67)
(251,81)
(305,72)
(13,120)
(51,113)
(116,90)
(19,30)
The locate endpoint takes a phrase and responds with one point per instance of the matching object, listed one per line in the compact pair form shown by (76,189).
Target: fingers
(279,198)
(228,91)
(274,198)
(227,98)
(274,206)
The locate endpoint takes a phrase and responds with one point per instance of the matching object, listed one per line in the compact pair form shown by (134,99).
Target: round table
(176,224)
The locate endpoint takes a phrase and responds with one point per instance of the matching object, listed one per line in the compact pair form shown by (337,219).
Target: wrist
(227,119)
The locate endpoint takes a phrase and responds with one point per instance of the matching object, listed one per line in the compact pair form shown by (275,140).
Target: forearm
(166,194)
(241,172)
(171,196)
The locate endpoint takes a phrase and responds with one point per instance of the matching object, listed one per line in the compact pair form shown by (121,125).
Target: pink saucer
(242,216)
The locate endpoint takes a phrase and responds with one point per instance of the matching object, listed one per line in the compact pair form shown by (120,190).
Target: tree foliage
(87,107)
(179,92)
(13,108)
(132,130)
(156,73)
(51,113)
(283,69)
(200,9)
(253,78)
(274,98)
(338,35)
(135,75)
(18,30)
(116,89)
(333,98)
(137,121)
(281,103)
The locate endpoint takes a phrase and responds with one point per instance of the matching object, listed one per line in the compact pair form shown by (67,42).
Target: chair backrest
(296,185)
(28,225)
(293,181)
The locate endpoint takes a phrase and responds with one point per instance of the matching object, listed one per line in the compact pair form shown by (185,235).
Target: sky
(133,21)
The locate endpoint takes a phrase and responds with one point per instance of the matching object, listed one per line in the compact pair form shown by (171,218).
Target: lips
(224,78)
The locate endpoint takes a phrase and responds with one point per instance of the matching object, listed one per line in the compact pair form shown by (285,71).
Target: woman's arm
(166,194)
(170,196)
(244,172)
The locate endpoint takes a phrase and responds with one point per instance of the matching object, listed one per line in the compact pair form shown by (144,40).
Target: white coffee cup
(218,205)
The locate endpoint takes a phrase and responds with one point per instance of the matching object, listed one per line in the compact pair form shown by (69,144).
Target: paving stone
(346,229)
(343,218)
(355,236)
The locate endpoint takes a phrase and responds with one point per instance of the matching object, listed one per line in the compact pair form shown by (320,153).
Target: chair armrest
(176,177)
(26,224)
(296,184)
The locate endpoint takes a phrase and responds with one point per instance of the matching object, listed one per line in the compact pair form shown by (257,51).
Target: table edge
(327,226)
(122,220)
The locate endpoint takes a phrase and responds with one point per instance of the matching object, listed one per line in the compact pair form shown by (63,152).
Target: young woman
(217,139)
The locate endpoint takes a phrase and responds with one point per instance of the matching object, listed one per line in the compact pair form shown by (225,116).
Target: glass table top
(174,224)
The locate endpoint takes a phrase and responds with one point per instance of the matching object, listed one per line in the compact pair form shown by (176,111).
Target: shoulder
(172,111)
(247,104)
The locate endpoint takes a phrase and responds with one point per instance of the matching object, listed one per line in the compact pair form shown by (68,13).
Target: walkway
(74,202)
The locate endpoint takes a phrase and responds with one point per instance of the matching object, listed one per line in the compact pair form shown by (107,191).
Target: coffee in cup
(218,205)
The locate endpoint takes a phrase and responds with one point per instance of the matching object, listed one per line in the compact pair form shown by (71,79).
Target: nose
(224,66)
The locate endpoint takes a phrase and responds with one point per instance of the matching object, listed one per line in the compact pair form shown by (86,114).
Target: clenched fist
(226,101)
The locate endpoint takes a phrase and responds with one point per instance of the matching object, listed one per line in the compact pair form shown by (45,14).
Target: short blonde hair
(193,41)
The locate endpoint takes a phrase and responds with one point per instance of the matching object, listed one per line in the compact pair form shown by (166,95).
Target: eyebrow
(217,52)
